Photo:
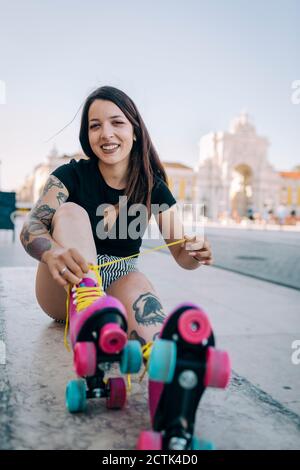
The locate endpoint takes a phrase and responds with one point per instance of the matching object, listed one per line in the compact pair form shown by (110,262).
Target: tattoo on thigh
(134,335)
(148,309)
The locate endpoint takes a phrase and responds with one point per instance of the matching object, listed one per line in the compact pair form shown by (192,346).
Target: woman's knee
(137,281)
(138,295)
(70,209)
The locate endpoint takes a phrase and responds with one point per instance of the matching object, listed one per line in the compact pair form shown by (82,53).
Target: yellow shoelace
(83,296)
(146,351)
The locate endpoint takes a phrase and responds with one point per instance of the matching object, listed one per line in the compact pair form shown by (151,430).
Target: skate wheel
(85,359)
(112,338)
(194,326)
(155,390)
(131,359)
(149,440)
(200,444)
(76,396)
(162,362)
(218,368)
(117,394)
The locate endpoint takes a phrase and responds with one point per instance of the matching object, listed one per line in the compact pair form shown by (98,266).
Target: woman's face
(110,132)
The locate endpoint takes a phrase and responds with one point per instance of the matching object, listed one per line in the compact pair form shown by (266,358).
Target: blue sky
(189,66)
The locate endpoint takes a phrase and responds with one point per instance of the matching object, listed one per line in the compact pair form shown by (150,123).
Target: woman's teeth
(109,147)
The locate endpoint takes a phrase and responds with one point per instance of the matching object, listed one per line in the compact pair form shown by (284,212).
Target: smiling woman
(122,162)
(61,232)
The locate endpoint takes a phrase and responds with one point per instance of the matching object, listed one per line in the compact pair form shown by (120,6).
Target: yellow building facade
(290,189)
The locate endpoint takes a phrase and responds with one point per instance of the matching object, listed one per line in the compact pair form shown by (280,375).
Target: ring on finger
(62,272)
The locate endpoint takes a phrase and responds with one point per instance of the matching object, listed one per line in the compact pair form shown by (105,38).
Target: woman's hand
(66,265)
(198,248)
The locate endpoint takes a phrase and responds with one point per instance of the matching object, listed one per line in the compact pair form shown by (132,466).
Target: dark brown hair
(144,161)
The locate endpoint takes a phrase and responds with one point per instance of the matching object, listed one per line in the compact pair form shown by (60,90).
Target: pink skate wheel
(194,326)
(85,359)
(218,368)
(112,338)
(117,394)
(149,440)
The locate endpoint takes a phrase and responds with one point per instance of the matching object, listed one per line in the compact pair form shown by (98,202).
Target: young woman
(80,204)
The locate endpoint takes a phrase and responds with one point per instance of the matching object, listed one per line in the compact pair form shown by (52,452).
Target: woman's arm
(35,235)
(192,253)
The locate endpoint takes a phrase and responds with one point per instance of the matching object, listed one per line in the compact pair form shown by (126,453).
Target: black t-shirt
(87,188)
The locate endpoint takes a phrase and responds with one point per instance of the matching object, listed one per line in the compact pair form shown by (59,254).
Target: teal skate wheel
(162,362)
(76,396)
(131,358)
(200,444)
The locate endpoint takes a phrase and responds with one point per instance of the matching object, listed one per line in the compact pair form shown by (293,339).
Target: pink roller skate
(183,362)
(98,333)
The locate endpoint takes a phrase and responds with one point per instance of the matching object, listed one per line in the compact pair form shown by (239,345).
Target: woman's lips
(110,150)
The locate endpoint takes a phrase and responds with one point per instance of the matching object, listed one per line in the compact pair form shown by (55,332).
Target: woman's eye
(93,125)
(118,122)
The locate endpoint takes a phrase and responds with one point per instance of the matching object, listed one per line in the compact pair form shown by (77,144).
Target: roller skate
(182,363)
(98,334)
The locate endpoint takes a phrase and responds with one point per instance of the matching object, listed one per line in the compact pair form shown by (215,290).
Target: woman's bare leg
(144,309)
(70,228)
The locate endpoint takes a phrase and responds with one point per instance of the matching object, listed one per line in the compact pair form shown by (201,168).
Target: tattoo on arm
(34,227)
(51,183)
(43,214)
(134,335)
(61,198)
(148,309)
(38,247)
(39,223)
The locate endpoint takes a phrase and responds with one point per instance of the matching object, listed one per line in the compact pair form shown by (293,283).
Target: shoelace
(83,297)
(146,351)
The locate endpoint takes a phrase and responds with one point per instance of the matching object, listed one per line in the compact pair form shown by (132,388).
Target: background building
(34,183)
(234,174)
(290,190)
(233,177)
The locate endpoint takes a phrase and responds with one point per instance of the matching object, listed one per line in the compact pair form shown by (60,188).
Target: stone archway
(241,190)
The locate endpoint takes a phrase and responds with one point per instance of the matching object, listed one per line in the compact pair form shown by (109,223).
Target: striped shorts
(114,271)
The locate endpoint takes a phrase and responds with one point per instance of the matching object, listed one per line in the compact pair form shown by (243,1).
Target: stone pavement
(254,320)
(263,254)
(273,256)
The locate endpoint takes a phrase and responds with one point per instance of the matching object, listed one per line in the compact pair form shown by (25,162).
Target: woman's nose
(107,131)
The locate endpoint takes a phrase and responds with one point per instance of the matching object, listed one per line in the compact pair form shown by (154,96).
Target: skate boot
(182,363)
(98,334)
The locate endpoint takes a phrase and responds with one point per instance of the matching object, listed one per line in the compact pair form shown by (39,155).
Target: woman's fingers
(200,250)
(80,260)
(67,275)
(200,254)
(58,278)
(76,266)
(193,243)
